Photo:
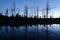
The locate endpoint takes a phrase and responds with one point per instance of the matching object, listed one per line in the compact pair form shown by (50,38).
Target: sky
(54,6)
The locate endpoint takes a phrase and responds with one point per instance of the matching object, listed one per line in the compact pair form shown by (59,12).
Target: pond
(33,32)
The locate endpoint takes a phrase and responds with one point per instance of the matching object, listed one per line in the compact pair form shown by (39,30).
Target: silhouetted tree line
(18,20)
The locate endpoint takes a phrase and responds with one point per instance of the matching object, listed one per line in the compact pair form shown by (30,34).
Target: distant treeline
(20,21)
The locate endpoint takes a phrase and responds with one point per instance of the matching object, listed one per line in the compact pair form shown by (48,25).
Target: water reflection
(34,32)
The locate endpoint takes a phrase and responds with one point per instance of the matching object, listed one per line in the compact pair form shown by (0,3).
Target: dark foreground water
(37,32)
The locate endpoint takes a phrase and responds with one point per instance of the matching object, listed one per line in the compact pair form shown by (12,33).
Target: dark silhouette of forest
(19,20)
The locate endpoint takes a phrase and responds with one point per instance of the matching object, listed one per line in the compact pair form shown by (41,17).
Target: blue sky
(54,6)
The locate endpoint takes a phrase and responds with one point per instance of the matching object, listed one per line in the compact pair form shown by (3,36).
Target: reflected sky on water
(34,32)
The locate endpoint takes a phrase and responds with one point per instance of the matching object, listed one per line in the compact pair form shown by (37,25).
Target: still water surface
(34,32)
